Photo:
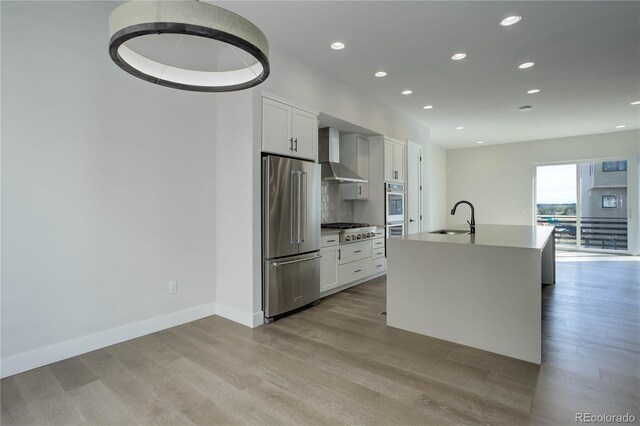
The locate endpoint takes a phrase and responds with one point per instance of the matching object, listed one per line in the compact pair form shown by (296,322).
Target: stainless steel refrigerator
(290,234)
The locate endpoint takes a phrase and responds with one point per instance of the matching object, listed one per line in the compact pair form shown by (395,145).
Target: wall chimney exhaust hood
(329,156)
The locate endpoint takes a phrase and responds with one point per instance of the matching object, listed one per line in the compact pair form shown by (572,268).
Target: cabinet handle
(359,190)
(296,142)
(396,174)
(290,144)
(331,241)
(339,254)
(378,266)
(357,270)
(358,251)
(379,253)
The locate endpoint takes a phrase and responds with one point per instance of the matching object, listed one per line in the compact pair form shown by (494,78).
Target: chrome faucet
(472,224)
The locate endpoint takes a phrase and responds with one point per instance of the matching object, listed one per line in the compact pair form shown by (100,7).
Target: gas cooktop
(350,232)
(344,225)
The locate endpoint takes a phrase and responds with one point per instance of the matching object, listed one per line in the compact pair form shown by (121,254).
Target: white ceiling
(587,57)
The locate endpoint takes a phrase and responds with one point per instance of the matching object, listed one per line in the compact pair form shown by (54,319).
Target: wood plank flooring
(338,363)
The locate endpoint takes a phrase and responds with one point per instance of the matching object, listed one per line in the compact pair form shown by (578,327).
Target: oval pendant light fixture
(193,18)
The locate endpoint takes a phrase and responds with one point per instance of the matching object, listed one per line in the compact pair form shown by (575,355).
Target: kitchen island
(481,290)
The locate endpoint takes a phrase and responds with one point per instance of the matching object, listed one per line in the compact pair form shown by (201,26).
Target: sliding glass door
(586,202)
(556,202)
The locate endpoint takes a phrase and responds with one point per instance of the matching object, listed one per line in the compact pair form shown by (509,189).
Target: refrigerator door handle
(293,206)
(299,208)
(303,206)
(276,264)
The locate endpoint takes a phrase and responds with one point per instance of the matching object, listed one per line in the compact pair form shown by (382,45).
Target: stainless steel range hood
(329,149)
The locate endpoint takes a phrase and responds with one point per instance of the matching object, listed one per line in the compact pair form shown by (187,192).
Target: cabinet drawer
(329,240)
(354,251)
(353,271)
(377,253)
(378,265)
(377,243)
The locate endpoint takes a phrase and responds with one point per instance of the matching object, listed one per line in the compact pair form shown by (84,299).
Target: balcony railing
(595,232)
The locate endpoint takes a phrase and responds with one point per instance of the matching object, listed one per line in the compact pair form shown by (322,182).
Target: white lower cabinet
(329,270)
(345,263)
(355,251)
(378,265)
(354,271)
(377,253)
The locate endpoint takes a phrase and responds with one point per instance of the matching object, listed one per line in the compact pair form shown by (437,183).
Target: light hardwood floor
(339,363)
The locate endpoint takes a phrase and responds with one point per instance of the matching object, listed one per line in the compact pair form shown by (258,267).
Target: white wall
(108,190)
(499,179)
(238,277)
(435,186)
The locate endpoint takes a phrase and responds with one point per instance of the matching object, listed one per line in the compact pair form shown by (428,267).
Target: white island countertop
(517,236)
(482,290)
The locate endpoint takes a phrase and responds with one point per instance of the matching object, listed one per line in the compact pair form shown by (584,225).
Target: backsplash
(334,208)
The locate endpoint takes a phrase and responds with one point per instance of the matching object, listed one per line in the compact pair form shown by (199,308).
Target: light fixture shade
(139,18)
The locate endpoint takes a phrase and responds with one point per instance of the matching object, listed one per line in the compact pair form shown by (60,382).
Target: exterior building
(604,189)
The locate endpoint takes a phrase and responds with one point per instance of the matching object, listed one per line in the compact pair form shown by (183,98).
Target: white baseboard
(245,318)
(42,356)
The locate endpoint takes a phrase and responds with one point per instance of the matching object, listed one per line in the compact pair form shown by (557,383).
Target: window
(614,166)
(609,202)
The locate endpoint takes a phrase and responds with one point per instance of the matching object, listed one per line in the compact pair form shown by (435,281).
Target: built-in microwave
(394,202)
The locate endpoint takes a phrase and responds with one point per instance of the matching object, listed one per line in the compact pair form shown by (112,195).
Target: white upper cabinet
(389,169)
(289,130)
(398,161)
(354,155)
(305,134)
(393,161)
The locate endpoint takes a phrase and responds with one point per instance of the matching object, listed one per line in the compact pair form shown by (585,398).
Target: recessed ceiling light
(460,128)
(407,92)
(380,74)
(532,91)
(525,108)
(635,103)
(338,45)
(480,141)
(526,65)
(458,56)
(621,126)
(428,107)
(510,20)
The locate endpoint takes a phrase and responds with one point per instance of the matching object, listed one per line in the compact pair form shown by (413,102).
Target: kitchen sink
(450,232)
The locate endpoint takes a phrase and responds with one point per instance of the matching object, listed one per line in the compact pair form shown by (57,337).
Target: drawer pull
(378,266)
(331,241)
(380,252)
(358,251)
(356,271)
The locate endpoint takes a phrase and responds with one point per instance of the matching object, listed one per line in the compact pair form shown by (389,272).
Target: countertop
(518,236)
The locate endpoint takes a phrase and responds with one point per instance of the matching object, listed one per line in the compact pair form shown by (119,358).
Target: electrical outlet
(173,287)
